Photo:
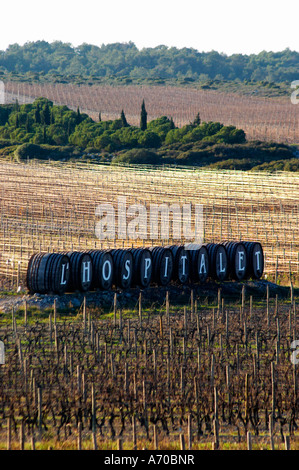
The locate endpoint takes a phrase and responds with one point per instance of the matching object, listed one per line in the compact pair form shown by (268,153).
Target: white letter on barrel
(241,259)
(106,263)
(222,270)
(64,268)
(257,254)
(148,262)
(202,264)
(184,264)
(86,270)
(166,266)
(127,265)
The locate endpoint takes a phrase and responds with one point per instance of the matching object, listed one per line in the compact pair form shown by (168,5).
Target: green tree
(123,119)
(149,139)
(37,115)
(44,135)
(16,106)
(46,115)
(230,135)
(27,124)
(197,120)
(143,117)
(78,117)
(161,126)
(5,111)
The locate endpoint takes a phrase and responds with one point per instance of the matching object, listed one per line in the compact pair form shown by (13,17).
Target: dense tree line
(47,131)
(41,122)
(161,62)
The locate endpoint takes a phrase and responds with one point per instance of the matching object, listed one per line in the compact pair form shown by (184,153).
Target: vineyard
(203,375)
(209,373)
(274,119)
(62,213)
(163,355)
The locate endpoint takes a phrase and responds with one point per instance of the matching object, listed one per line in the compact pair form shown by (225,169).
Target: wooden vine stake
(134,432)
(189,432)
(249,443)
(167,307)
(9,433)
(216,423)
(79,437)
(182,441)
(271,430)
(140,308)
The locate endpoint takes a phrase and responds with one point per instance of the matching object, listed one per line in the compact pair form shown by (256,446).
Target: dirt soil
(151,297)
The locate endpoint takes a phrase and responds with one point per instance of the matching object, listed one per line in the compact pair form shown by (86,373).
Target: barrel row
(124,268)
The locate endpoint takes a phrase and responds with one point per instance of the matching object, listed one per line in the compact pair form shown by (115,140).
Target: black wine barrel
(199,263)
(142,267)
(59,274)
(103,269)
(162,265)
(181,263)
(218,261)
(81,270)
(32,272)
(123,268)
(48,273)
(255,257)
(237,260)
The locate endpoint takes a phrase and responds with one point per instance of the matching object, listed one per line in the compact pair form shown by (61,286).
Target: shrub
(44,152)
(138,156)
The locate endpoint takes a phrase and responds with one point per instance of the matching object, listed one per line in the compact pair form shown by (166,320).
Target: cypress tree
(37,115)
(4,115)
(123,119)
(46,115)
(143,117)
(69,128)
(44,135)
(78,117)
(16,106)
(27,124)
(197,120)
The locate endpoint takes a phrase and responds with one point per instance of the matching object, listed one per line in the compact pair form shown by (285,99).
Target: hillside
(60,60)
(266,119)
(46,131)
